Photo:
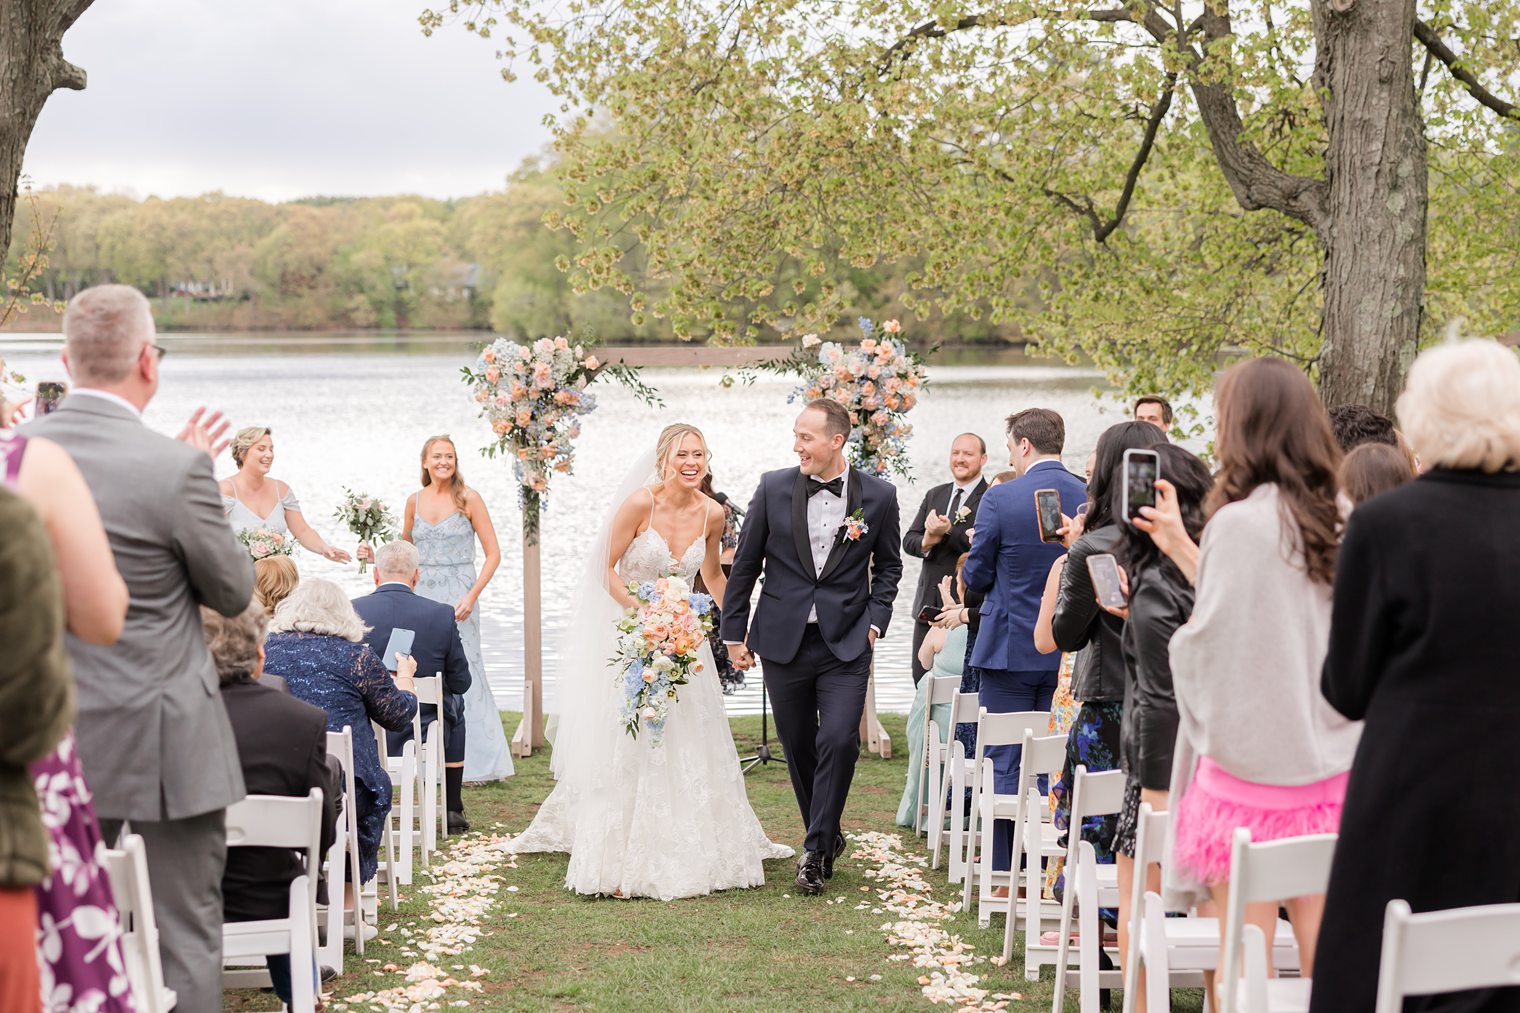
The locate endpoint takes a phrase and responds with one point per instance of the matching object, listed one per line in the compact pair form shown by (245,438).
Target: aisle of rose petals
(943,958)
(461,888)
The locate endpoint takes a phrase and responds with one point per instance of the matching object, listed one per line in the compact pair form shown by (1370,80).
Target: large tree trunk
(1375,168)
(32,67)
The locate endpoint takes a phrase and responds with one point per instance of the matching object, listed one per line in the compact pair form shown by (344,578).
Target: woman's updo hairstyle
(244,441)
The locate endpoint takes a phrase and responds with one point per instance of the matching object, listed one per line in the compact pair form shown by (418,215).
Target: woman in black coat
(1421,650)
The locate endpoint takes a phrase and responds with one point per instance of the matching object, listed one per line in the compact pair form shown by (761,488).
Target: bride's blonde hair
(670,439)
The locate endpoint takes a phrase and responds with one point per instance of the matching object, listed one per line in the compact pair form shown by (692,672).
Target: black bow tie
(833,485)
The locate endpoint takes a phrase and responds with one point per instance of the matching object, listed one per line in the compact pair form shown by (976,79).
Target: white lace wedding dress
(642,820)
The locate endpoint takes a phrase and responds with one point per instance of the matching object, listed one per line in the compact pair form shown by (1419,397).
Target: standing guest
(1257,745)
(1371,470)
(1008,563)
(274,577)
(943,653)
(1426,577)
(1156,410)
(938,532)
(443,519)
(282,747)
(153,737)
(1356,424)
(36,697)
(316,644)
(1080,627)
(730,678)
(436,648)
(254,500)
(1160,602)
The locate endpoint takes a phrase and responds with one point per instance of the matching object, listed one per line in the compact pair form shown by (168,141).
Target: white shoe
(370,932)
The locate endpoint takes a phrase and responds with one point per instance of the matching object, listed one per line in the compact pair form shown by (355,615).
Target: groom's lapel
(800,524)
(851,504)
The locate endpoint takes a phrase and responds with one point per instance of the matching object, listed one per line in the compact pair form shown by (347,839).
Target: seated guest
(436,648)
(282,746)
(1419,649)
(316,644)
(943,654)
(1372,469)
(274,577)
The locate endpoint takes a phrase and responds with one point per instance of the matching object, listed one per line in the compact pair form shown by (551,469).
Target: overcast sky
(280,99)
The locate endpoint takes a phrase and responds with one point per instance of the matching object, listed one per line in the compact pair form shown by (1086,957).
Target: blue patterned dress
(349,682)
(446,572)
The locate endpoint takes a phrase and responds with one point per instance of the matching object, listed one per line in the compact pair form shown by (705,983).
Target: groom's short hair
(836,418)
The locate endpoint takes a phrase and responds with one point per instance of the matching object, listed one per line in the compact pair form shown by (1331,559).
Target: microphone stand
(763,755)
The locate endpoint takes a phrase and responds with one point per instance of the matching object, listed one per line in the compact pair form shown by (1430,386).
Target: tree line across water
(220,262)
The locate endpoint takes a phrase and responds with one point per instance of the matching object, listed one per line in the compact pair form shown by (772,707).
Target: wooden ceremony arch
(530,731)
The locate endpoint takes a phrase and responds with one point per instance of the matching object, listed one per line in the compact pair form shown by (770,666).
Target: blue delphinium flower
(646,590)
(866,326)
(700,603)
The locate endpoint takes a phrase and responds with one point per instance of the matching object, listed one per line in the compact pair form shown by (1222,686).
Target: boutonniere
(855,525)
(962,515)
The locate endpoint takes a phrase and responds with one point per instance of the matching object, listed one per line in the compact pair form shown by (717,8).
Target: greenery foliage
(1049,167)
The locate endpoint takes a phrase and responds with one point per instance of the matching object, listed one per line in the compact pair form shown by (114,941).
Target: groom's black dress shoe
(832,855)
(810,873)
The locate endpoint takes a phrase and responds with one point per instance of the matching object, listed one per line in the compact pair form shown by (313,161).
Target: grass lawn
(767,949)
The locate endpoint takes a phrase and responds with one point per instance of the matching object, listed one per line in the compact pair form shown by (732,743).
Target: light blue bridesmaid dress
(446,552)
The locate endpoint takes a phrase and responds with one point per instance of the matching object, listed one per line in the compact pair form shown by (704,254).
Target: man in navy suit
(825,536)
(436,646)
(1009,564)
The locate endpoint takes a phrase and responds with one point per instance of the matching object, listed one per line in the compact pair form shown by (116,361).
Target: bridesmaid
(443,519)
(254,500)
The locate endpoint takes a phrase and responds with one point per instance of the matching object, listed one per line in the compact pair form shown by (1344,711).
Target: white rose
(678,587)
(663,664)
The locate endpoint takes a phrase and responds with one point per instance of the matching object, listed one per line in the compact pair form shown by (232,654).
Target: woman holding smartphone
(1257,744)
(1160,601)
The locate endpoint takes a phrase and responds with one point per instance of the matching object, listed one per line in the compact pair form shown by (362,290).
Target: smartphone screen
(400,643)
(1104,571)
(928,614)
(1048,505)
(1141,469)
(49,393)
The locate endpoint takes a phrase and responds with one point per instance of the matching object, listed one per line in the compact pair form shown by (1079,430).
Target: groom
(825,536)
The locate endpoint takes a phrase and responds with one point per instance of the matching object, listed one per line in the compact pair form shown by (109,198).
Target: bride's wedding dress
(642,820)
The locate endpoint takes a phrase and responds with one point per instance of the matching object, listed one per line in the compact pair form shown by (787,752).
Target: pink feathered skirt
(1217,802)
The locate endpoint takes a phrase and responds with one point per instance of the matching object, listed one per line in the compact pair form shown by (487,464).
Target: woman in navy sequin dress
(315,645)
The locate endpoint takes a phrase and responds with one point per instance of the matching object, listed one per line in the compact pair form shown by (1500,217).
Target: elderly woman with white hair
(316,644)
(1421,651)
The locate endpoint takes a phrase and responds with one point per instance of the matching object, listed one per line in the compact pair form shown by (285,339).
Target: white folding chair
(127,868)
(1089,887)
(988,806)
(430,763)
(401,822)
(1446,951)
(931,771)
(278,821)
(1035,838)
(330,920)
(1185,949)
(366,895)
(1272,871)
(963,710)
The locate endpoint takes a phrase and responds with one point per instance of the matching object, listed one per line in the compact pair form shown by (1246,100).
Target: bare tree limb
(900,50)
(1437,48)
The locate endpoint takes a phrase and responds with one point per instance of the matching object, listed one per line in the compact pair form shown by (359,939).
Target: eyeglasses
(159,350)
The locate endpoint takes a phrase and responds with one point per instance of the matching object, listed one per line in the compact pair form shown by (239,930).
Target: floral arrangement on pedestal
(534,397)
(878,380)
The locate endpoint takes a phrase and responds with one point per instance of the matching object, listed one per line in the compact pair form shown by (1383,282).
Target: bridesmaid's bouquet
(657,650)
(262,543)
(368,518)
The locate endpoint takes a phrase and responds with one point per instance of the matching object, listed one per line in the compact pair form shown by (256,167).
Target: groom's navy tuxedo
(815,672)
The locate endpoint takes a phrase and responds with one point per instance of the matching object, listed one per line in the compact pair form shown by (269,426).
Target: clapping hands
(207,434)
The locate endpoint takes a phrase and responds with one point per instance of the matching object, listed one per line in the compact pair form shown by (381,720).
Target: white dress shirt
(106,395)
(825,514)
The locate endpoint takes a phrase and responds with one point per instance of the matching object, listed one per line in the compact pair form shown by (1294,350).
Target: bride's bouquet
(262,543)
(657,650)
(368,518)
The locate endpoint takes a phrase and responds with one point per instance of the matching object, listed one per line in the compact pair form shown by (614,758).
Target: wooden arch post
(530,732)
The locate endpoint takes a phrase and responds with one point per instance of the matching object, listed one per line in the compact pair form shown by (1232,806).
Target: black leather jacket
(1078,622)
(1160,601)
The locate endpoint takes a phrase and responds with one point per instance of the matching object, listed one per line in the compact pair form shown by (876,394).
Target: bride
(639,819)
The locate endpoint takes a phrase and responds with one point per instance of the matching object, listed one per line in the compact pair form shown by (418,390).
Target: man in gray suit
(153,736)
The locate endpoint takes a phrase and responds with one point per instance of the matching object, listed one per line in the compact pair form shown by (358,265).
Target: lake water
(353,412)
